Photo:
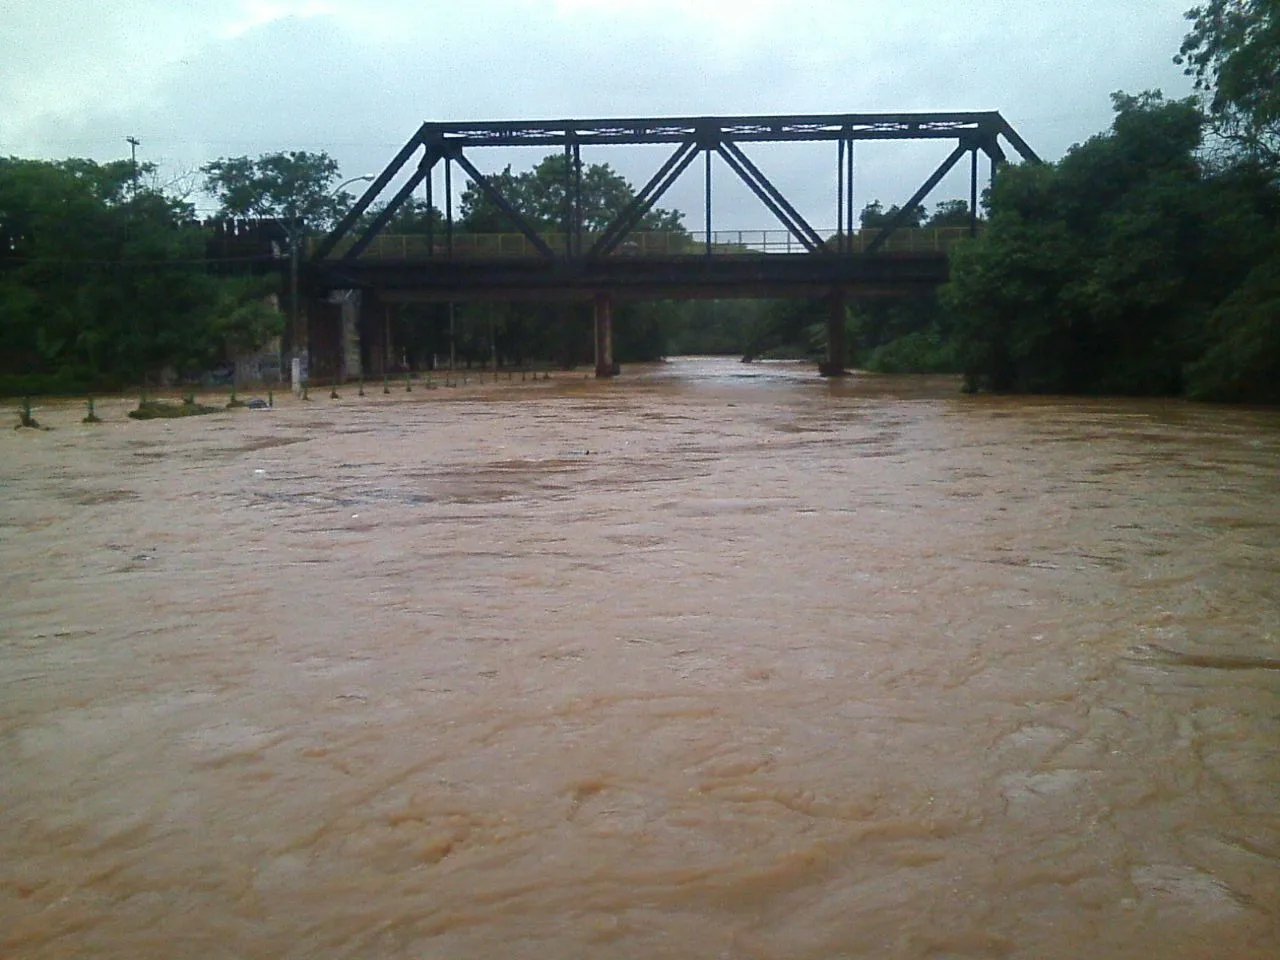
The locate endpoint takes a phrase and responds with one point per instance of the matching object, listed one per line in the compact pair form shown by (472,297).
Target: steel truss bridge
(623,260)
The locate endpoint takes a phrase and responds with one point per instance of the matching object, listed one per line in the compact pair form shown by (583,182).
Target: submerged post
(604,335)
(836,351)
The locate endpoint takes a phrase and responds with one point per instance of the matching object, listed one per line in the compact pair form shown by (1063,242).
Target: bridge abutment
(836,348)
(604,335)
(375,335)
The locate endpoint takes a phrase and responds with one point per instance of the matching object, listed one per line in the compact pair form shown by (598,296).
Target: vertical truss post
(849,196)
(568,197)
(448,206)
(577,198)
(431,220)
(840,231)
(708,194)
(973,194)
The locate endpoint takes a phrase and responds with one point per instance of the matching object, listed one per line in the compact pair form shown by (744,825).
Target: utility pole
(134,143)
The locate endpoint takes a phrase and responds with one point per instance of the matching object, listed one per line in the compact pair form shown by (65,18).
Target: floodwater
(713,661)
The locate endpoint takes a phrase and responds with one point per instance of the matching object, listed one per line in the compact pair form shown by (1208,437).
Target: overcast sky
(199,79)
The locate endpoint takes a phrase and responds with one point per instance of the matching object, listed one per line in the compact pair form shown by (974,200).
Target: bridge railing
(645,244)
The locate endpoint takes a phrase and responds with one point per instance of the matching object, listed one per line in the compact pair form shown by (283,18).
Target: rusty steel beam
(387,212)
(761,186)
(643,201)
(494,194)
(908,126)
(980,130)
(901,217)
(371,194)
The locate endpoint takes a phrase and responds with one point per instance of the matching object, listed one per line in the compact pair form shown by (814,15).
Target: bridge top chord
(748,129)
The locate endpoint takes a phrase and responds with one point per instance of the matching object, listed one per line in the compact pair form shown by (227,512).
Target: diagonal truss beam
(777,211)
(389,211)
(370,195)
(760,185)
(643,201)
(1006,130)
(901,216)
(494,194)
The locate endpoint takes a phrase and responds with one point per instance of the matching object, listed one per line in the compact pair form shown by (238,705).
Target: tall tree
(1099,273)
(874,214)
(294,187)
(1233,52)
(104,284)
(539,196)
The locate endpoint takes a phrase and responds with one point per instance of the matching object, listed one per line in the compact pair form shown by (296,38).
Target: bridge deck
(404,247)
(673,277)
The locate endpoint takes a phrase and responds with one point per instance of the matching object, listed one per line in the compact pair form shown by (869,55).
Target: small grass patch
(25,419)
(155,409)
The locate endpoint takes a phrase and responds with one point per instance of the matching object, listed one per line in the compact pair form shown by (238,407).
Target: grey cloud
(323,83)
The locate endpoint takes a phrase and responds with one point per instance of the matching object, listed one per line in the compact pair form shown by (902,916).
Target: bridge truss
(576,264)
(448,143)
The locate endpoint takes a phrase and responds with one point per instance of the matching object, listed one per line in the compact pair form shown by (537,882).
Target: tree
(539,196)
(103,285)
(950,213)
(875,215)
(1100,273)
(1233,52)
(294,187)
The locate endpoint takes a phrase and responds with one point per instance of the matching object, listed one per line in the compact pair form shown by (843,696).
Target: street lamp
(367,178)
(299,348)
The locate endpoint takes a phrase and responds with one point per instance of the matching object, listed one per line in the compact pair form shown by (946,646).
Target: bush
(921,352)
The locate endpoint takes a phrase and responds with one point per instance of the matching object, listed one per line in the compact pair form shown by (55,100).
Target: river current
(712,661)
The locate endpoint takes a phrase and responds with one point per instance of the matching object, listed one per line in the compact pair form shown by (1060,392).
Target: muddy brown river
(711,662)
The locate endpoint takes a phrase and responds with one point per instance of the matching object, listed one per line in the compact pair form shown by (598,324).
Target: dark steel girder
(366,199)
(901,217)
(389,211)
(852,126)
(643,201)
(772,197)
(494,194)
(973,130)
(638,277)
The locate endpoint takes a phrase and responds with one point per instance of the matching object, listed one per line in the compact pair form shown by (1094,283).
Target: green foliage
(921,351)
(294,187)
(875,215)
(1232,52)
(1099,274)
(539,196)
(102,286)
(1243,364)
(158,409)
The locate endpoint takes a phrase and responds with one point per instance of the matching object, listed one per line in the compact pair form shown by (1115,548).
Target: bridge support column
(373,335)
(604,336)
(836,348)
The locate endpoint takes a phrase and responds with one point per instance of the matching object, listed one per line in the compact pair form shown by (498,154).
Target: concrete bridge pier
(836,348)
(375,335)
(604,336)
